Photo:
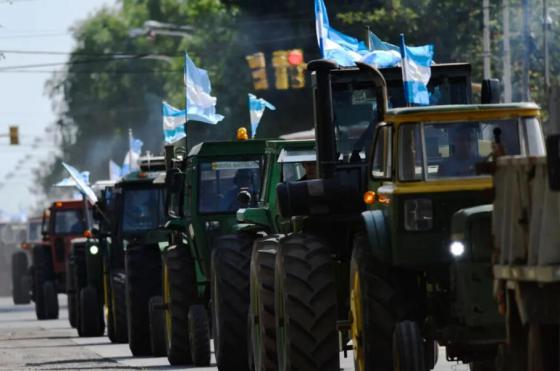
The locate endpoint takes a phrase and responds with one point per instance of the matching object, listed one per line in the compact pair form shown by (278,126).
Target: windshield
(220,183)
(447,150)
(143,209)
(35,231)
(70,221)
(298,164)
(355,114)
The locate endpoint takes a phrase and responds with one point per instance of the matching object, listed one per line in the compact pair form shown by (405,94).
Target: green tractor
(135,264)
(206,267)
(84,280)
(354,243)
(287,160)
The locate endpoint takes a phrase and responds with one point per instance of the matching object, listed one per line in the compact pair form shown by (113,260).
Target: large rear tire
(262,322)
(306,305)
(118,292)
(199,335)
(20,289)
(157,327)
(180,294)
(91,313)
(143,280)
(230,262)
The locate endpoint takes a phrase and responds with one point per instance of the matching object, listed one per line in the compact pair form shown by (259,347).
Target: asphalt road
(28,344)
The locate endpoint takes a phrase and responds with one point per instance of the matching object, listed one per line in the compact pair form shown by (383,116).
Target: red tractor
(63,221)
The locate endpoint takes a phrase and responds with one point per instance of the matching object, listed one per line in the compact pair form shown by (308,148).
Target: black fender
(377,233)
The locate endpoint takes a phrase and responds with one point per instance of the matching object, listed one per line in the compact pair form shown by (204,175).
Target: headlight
(418,214)
(93,250)
(457,248)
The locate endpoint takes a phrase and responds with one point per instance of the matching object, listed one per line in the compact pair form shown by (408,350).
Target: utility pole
(486,38)
(526,42)
(546,27)
(506,77)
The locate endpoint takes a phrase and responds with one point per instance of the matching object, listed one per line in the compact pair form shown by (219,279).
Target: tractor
(315,267)
(134,264)
(85,278)
(62,222)
(206,267)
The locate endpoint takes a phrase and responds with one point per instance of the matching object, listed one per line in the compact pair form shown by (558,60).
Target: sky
(38,26)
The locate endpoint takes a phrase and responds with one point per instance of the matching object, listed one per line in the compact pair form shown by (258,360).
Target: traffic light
(257,64)
(14,135)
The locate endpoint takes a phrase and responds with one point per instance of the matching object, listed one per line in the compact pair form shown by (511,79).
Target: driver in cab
(244,180)
(463,154)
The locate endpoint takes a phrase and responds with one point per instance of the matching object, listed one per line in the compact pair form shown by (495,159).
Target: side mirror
(553,161)
(244,197)
(490,91)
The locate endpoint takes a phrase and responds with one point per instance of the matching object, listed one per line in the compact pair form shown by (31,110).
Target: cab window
(382,162)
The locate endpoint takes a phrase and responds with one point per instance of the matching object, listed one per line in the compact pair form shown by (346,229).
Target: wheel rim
(356,328)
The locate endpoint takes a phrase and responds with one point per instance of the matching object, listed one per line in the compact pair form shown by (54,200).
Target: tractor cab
(67,221)
(426,165)
(139,201)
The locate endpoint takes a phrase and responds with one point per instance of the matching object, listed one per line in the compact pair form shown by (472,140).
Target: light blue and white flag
(115,171)
(81,183)
(173,122)
(257,106)
(201,106)
(130,162)
(69,182)
(336,46)
(377,44)
(416,70)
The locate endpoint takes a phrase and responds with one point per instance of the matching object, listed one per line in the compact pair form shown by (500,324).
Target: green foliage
(104,91)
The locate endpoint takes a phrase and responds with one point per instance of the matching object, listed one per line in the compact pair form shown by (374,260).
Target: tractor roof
(462,112)
(275,146)
(228,148)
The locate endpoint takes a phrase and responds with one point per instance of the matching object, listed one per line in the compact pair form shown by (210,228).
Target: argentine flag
(416,71)
(69,182)
(336,46)
(201,106)
(257,106)
(130,162)
(115,171)
(81,183)
(173,123)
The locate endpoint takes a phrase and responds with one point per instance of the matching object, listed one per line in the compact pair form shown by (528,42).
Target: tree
(113,82)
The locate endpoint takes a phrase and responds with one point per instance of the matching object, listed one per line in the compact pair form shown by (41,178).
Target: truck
(63,221)
(371,262)
(524,216)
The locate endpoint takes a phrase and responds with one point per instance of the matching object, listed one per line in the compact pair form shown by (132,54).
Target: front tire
(143,280)
(157,327)
(91,313)
(42,272)
(199,336)
(118,297)
(262,322)
(306,305)
(408,347)
(180,294)
(50,300)
(230,261)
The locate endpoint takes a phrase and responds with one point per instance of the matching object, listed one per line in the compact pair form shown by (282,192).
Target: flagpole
(403,69)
